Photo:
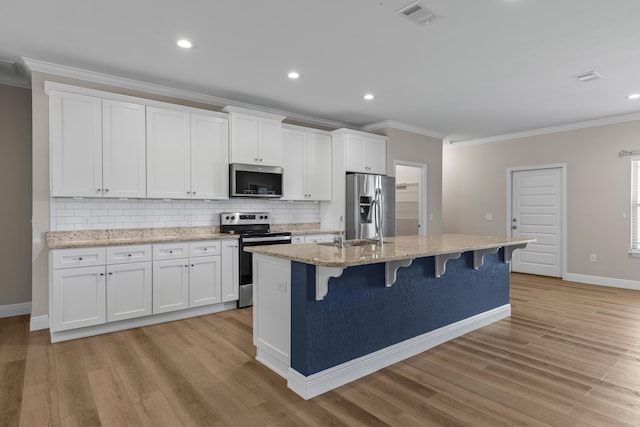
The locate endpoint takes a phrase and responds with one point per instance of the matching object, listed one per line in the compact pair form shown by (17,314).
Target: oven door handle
(283,239)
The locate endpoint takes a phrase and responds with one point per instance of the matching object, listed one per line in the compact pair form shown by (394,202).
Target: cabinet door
(209,157)
(269,142)
(243,138)
(376,156)
(128,291)
(204,281)
(316,238)
(123,149)
(293,143)
(230,270)
(354,153)
(317,169)
(78,298)
(168,159)
(76,145)
(170,285)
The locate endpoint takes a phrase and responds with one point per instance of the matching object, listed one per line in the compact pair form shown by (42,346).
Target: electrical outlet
(593,258)
(489,217)
(282,286)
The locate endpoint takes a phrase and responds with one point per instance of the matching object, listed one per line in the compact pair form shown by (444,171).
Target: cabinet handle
(102,274)
(194,193)
(99,190)
(188,192)
(129,255)
(106,190)
(110,273)
(186,266)
(205,249)
(79,258)
(256,160)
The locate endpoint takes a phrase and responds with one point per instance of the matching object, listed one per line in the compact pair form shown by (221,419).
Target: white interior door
(536,213)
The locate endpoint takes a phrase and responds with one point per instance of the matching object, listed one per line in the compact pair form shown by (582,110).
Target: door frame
(563,206)
(422,192)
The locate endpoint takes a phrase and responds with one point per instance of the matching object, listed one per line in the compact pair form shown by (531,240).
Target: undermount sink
(355,242)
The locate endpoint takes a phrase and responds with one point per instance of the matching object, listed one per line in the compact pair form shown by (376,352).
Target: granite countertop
(138,236)
(394,249)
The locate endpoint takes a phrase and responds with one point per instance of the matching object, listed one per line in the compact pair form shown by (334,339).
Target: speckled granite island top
(394,249)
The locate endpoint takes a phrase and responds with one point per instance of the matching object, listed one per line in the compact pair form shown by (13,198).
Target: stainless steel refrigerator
(371,206)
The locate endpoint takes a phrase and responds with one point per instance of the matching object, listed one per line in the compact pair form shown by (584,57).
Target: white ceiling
(484,68)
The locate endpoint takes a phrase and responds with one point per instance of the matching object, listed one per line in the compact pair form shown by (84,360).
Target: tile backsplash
(101,214)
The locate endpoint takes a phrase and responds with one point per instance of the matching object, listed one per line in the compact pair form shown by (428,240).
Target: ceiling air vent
(589,76)
(418,13)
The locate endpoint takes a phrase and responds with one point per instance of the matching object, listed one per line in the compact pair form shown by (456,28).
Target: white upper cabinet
(209,157)
(307,163)
(187,155)
(76,145)
(97,147)
(123,149)
(254,137)
(365,153)
(168,153)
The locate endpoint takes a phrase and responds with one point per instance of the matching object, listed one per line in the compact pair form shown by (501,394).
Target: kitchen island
(325,316)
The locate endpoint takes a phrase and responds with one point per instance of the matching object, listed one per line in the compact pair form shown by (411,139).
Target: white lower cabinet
(230,279)
(78,298)
(170,285)
(204,281)
(128,291)
(98,285)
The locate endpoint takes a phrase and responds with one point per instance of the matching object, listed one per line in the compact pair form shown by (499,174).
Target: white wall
(598,192)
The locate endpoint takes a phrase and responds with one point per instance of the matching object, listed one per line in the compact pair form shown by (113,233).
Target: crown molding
(402,126)
(548,130)
(107,79)
(17,81)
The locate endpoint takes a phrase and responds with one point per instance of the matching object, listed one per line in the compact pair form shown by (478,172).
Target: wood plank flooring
(568,356)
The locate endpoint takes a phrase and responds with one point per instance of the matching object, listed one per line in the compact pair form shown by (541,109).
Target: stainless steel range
(254,228)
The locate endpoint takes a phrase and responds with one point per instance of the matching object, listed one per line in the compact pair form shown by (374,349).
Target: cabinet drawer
(204,248)
(316,238)
(297,239)
(127,254)
(80,257)
(170,250)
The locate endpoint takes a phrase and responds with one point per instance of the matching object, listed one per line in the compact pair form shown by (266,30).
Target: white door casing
(422,194)
(537,212)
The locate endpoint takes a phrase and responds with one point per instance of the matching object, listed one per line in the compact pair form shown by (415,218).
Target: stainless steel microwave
(255,181)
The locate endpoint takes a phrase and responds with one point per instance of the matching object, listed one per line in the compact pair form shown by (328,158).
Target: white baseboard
(603,281)
(141,321)
(332,378)
(39,322)
(15,309)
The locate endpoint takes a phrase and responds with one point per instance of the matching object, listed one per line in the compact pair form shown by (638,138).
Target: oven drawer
(170,250)
(204,248)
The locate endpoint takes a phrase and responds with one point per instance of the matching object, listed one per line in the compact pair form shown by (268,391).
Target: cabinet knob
(194,193)
(79,258)
(99,190)
(186,266)
(129,255)
(188,192)
(192,265)
(260,160)
(110,273)
(106,190)
(205,249)
(170,252)
(102,274)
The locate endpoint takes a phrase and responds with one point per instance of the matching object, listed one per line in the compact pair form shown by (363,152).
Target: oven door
(246,263)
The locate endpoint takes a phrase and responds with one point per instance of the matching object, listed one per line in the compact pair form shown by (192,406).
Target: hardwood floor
(568,356)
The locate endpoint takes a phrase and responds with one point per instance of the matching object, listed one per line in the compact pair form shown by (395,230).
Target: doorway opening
(411,198)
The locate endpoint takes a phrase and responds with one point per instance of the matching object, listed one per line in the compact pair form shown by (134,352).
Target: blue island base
(362,326)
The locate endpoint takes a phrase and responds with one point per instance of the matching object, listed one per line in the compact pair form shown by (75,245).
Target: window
(635,205)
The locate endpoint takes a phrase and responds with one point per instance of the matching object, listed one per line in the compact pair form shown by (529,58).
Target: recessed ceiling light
(634,96)
(368,96)
(184,43)
(293,75)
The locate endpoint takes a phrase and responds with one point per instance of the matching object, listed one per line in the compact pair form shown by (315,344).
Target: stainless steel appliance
(370,206)
(254,228)
(255,181)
